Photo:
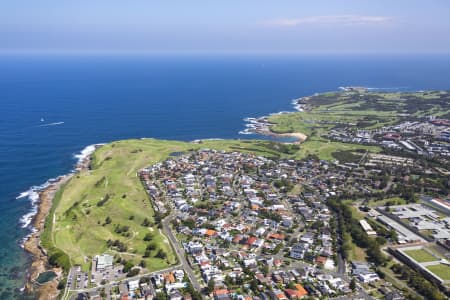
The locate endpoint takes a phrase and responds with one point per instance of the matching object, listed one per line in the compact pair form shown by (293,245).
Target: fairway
(324,149)
(441,270)
(421,255)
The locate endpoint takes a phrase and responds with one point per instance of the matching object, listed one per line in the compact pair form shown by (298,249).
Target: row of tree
(416,281)
(350,227)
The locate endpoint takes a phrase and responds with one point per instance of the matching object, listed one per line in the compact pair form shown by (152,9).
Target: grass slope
(76,225)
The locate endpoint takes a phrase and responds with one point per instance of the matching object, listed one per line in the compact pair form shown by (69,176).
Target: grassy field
(420,255)
(77,223)
(441,270)
(392,201)
(324,149)
(357,254)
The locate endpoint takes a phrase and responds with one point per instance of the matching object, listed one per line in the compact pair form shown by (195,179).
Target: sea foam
(88,150)
(32,194)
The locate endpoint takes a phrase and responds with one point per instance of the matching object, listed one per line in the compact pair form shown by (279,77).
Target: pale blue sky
(292,26)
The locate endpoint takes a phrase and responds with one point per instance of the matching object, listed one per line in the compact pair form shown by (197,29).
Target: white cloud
(333,20)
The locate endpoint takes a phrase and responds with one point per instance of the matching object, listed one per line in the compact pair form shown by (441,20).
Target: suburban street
(180,252)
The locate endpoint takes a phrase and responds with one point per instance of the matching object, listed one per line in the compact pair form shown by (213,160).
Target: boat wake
(51,124)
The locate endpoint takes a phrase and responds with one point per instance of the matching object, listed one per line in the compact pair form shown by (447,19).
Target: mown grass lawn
(441,270)
(393,200)
(324,148)
(420,255)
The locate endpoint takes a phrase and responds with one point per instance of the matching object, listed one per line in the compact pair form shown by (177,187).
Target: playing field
(441,270)
(421,255)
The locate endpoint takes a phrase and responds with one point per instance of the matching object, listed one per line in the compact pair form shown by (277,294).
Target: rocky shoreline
(39,258)
(262,125)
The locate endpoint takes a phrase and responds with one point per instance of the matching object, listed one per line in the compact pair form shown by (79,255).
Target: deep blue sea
(54,106)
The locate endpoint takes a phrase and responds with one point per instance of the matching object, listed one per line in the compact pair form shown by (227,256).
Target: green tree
(161,254)
(133,272)
(211,286)
(161,296)
(151,247)
(353,284)
(148,237)
(127,266)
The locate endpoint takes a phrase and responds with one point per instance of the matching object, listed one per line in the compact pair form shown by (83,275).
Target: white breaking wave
(397,88)
(88,150)
(32,194)
(51,124)
(387,88)
(212,139)
(246,131)
(26,219)
(23,195)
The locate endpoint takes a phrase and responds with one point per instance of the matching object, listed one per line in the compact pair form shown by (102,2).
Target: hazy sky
(333,26)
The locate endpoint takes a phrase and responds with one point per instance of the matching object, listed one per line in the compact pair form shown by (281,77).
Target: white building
(104,261)
(368,277)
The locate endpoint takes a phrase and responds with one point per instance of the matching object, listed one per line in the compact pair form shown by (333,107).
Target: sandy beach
(301,137)
(265,130)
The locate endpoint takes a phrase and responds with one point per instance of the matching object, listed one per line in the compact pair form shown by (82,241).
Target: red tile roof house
(251,240)
(237,239)
(276,236)
(298,293)
(300,290)
(292,294)
(221,294)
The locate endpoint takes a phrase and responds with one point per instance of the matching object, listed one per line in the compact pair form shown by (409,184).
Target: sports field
(421,255)
(441,270)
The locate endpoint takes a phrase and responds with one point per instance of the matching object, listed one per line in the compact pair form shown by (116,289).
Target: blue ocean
(52,107)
